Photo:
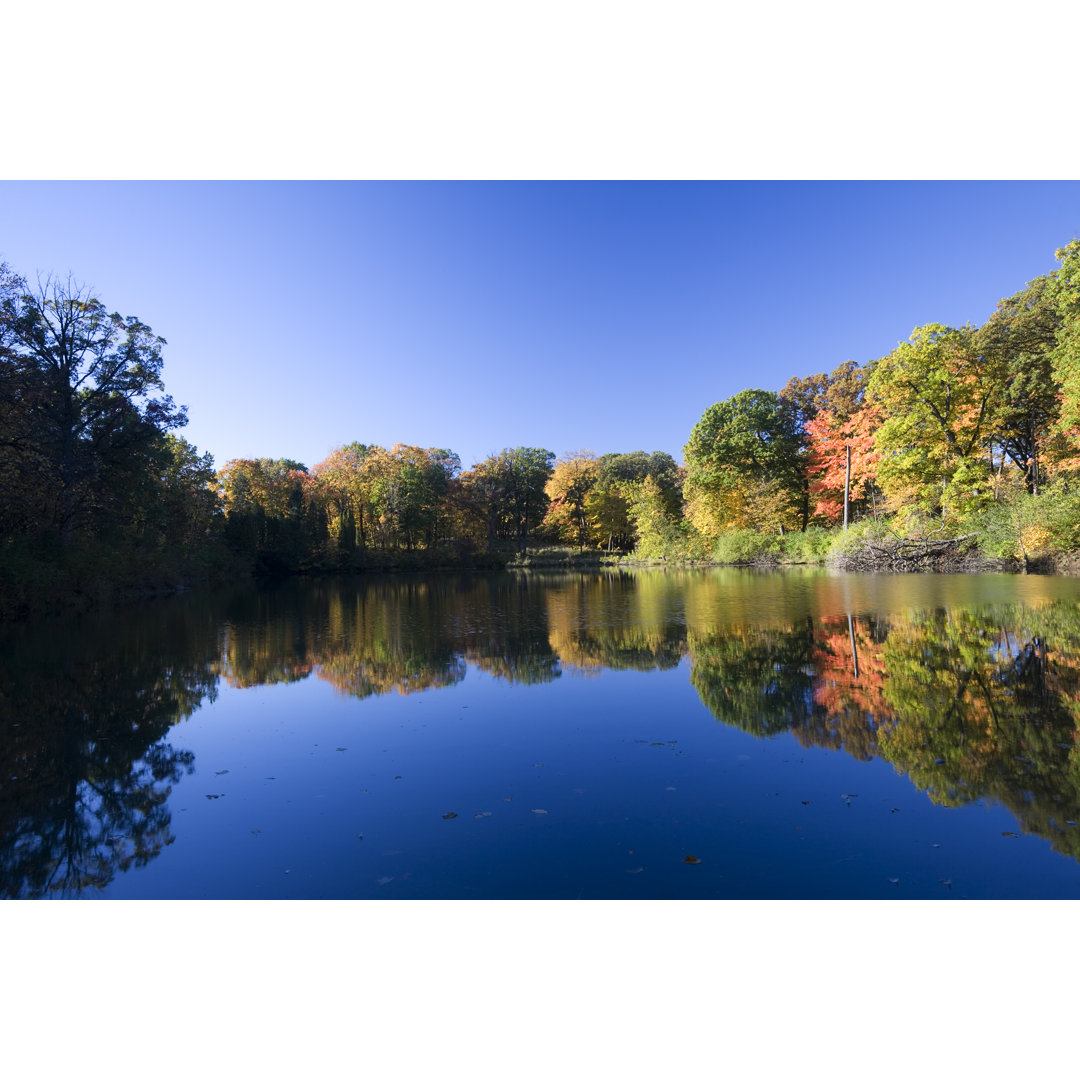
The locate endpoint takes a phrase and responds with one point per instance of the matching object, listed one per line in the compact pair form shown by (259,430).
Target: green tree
(1017,341)
(507,491)
(938,394)
(1065,358)
(745,465)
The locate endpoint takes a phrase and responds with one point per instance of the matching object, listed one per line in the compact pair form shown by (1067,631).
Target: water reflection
(970,691)
(86,764)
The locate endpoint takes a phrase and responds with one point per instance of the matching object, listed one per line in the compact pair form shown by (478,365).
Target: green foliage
(746,545)
(813,545)
(938,394)
(745,465)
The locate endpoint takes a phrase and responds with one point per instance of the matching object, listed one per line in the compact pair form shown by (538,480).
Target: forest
(964,436)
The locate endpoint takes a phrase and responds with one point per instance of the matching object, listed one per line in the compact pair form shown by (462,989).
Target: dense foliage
(957,431)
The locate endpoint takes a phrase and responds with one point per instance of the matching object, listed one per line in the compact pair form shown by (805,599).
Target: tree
(824,403)
(1018,340)
(619,485)
(745,465)
(568,489)
(91,387)
(1065,358)
(938,395)
(507,491)
(830,437)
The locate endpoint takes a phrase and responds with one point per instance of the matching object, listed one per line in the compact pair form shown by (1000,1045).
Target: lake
(698,734)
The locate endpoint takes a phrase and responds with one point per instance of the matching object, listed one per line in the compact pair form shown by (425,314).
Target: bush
(810,546)
(746,545)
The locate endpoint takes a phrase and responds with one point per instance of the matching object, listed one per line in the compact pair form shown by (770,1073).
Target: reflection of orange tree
(847,693)
(87,771)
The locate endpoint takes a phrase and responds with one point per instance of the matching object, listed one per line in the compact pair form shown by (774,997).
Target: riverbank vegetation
(958,449)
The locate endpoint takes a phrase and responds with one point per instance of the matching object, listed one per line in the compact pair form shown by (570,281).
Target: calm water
(701,734)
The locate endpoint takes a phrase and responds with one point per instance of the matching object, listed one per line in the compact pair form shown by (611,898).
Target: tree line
(957,425)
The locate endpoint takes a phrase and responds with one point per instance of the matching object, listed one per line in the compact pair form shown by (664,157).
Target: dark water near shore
(699,734)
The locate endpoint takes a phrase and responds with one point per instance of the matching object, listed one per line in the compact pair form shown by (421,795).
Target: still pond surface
(698,734)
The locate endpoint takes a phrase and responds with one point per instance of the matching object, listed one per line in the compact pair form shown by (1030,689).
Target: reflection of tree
(971,703)
(756,678)
(984,706)
(512,643)
(849,675)
(618,621)
(390,635)
(268,636)
(83,721)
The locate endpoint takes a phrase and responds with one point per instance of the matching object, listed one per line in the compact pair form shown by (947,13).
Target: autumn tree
(829,408)
(568,490)
(264,504)
(831,437)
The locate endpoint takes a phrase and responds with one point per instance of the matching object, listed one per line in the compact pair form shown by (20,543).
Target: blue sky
(473,316)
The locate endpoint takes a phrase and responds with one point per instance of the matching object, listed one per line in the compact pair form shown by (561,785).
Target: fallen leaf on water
(213,796)
(447,817)
(806,802)
(255,832)
(397,777)
(693,860)
(539,811)
(1014,834)
(895,810)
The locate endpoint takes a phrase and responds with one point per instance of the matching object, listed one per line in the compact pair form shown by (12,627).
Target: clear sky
(473,316)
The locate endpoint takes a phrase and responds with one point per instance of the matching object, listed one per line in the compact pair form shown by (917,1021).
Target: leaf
(447,817)
(692,860)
